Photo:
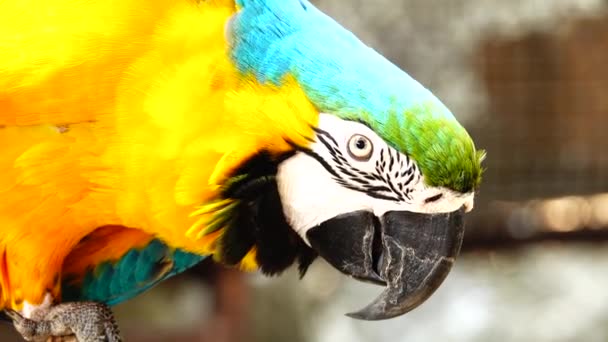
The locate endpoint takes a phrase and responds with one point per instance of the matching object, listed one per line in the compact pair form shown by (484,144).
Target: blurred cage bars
(546,133)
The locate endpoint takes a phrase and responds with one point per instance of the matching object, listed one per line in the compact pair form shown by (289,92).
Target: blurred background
(529,79)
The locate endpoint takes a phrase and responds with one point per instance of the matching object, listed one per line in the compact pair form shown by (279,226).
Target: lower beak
(410,253)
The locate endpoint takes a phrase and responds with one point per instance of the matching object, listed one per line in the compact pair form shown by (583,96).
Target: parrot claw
(69,322)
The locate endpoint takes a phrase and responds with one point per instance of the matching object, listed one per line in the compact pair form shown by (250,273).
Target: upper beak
(410,253)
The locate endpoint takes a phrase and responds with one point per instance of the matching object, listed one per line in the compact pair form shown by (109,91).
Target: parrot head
(379,183)
(381,212)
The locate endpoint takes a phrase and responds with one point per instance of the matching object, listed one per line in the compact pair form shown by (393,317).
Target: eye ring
(360,147)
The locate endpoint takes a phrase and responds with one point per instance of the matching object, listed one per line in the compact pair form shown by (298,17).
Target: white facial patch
(339,175)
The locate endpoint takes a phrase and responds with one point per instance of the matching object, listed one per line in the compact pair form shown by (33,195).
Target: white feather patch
(311,195)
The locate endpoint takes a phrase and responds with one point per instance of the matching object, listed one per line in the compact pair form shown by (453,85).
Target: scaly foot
(86,321)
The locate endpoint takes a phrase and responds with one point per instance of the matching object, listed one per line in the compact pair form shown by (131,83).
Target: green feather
(442,148)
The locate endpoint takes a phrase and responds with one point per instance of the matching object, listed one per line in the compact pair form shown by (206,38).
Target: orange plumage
(126,114)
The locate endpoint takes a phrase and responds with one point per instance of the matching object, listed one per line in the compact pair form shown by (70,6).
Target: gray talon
(84,321)
(30,330)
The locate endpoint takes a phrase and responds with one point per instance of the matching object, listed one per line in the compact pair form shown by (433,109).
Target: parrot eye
(360,148)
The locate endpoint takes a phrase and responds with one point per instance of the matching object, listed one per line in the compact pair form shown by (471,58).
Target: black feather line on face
(326,134)
(353,178)
(318,158)
(258,220)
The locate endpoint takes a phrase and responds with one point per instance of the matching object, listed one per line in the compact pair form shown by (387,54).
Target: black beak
(410,253)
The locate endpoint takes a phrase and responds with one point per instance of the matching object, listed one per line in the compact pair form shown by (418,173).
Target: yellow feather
(248,263)
(126,113)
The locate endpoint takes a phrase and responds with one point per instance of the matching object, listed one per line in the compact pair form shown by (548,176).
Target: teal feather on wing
(113,282)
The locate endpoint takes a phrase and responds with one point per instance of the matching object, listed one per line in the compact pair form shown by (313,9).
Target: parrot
(139,137)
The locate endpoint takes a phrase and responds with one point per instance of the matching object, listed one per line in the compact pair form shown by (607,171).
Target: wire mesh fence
(545,131)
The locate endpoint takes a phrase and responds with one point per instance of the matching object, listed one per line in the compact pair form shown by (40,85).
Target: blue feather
(272,39)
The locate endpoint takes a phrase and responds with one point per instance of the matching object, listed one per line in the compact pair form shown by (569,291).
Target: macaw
(139,137)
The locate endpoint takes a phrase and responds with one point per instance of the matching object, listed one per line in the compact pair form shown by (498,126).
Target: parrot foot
(82,322)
